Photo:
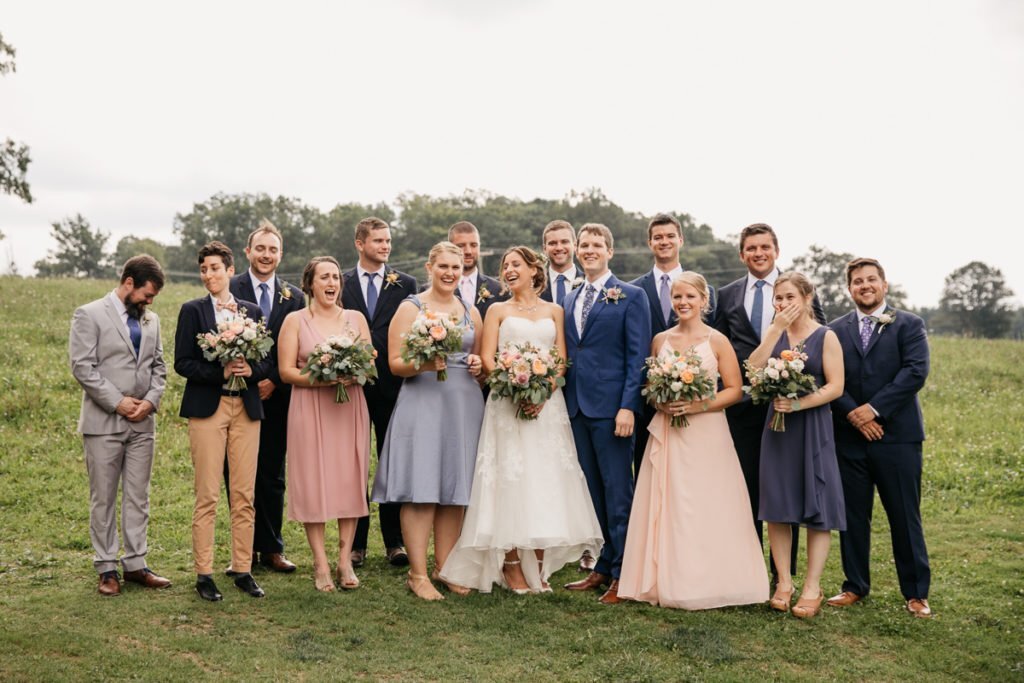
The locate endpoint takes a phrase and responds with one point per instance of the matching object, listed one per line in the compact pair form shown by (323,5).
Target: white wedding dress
(528,490)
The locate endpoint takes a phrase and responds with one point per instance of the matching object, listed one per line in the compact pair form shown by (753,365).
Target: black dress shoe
(207,589)
(398,557)
(246,583)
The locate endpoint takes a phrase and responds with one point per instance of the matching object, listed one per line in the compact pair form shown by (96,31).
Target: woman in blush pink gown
(690,542)
(328,442)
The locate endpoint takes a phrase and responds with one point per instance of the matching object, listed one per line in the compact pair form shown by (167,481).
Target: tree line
(975,299)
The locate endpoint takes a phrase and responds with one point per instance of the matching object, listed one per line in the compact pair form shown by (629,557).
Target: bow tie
(231,306)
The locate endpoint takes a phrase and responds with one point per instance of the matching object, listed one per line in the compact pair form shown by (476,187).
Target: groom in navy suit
(879,431)
(608,335)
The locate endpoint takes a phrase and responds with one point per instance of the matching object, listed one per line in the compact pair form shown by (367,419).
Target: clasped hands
(474,364)
(134,409)
(866,422)
(677,408)
(239,367)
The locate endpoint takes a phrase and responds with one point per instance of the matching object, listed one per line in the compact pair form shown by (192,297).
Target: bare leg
(513,571)
(544,586)
(417,521)
(447,527)
(321,568)
(780,540)
(818,544)
(346,532)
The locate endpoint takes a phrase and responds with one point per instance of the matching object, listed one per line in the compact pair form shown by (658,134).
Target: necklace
(526,309)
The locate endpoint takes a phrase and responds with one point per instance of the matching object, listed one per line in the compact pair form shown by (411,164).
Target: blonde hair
(443,246)
(697,281)
(597,229)
(803,285)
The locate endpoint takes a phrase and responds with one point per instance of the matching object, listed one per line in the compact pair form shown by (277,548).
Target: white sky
(886,128)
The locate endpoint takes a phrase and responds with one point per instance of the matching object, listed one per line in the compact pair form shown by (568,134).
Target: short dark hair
(309,272)
(758,229)
(557,224)
(364,227)
(142,269)
(663,219)
(861,263)
(531,259)
(216,248)
(599,229)
(265,226)
(461,228)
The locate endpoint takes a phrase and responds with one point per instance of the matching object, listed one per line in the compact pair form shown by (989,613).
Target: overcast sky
(883,128)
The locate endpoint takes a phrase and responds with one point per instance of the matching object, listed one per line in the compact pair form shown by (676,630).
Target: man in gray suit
(117,356)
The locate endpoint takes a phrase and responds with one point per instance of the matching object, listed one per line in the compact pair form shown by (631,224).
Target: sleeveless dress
(328,443)
(799,472)
(528,492)
(430,447)
(690,542)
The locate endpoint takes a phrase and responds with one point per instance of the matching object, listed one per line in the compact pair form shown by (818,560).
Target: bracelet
(796,405)
(704,408)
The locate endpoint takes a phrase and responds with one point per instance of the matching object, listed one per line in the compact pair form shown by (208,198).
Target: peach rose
(687,377)
(786,355)
(539,368)
(437,332)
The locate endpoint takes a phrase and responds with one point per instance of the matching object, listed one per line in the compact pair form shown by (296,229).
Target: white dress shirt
(256,282)
(577,310)
(768,295)
(378,281)
(225,314)
(121,311)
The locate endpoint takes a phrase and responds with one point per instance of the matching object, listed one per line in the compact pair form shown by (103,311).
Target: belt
(225,392)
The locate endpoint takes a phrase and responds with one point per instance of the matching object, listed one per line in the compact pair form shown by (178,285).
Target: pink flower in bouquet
(438,332)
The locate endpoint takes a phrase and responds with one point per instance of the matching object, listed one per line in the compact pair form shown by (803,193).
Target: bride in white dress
(529,510)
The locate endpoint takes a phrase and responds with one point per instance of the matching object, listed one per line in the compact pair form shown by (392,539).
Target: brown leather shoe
(611,596)
(919,608)
(110,585)
(591,581)
(145,577)
(276,562)
(845,599)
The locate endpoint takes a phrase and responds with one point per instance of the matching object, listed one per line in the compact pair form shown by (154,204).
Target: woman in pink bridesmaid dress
(328,442)
(690,543)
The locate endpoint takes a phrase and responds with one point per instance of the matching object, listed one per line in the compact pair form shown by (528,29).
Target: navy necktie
(560,288)
(135,332)
(757,309)
(371,294)
(265,301)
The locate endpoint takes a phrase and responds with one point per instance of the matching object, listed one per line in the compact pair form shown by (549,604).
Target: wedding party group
(646,430)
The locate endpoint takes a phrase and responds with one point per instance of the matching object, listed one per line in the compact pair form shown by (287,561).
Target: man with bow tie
(118,359)
(879,433)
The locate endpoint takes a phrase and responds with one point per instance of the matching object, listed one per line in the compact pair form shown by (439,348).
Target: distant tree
(131,245)
(80,251)
(975,302)
(827,270)
(14,158)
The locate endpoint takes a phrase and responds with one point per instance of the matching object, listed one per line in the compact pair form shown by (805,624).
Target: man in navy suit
(608,334)
(474,287)
(665,240)
(375,290)
(879,432)
(559,244)
(222,423)
(744,313)
(276,300)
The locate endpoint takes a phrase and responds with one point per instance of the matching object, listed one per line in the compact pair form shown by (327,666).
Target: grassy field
(54,626)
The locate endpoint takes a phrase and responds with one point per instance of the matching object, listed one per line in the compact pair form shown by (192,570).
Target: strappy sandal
(517,591)
(806,608)
(452,587)
(780,601)
(421,580)
(349,583)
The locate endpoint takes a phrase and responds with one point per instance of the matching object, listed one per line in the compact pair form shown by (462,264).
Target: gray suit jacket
(103,361)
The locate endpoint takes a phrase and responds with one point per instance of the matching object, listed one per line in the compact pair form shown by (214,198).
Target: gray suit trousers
(108,459)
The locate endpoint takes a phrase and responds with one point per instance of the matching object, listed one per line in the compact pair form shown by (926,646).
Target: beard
(134,310)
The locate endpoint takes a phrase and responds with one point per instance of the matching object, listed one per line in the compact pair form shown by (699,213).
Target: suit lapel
(599,304)
(388,292)
(853,330)
(207,315)
(355,292)
(569,306)
(875,334)
(118,324)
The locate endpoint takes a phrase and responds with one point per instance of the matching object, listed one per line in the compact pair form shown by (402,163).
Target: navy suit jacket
(658,323)
(607,362)
(548,293)
(888,375)
(388,299)
(494,288)
(204,378)
(280,307)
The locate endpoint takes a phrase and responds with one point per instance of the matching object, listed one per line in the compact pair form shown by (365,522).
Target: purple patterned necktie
(866,327)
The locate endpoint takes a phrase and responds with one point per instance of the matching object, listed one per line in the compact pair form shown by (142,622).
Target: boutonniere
(392,279)
(613,295)
(146,317)
(886,318)
(578,282)
(483,294)
(284,292)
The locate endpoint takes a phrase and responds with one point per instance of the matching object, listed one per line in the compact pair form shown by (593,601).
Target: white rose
(344,342)
(772,372)
(676,386)
(797,365)
(249,334)
(785,374)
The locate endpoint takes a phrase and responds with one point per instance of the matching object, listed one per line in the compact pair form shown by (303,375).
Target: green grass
(54,626)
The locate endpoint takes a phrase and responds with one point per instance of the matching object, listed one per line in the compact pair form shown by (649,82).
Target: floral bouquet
(433,335)
(340,356)
(526,375)
(782,377)
(678,377)
(240,337)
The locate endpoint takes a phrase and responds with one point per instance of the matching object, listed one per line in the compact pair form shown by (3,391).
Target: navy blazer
(280,307)
(494,288)
(391,294)
(658,323)
(548,293)
(606,372)
(888,375)
(731,319)
(205,378)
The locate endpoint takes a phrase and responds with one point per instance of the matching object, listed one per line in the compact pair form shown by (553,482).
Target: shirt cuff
(877,414)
